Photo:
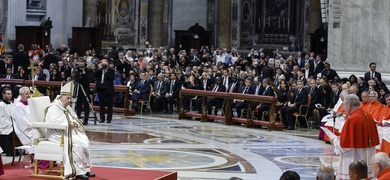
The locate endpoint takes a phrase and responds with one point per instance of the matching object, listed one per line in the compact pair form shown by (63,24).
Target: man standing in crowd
(83,76)
(359,137)
(76,161)
(6,108)
(372,74)
(105,88)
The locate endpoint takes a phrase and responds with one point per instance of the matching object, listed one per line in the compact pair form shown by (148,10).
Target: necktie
(158,87)
(232,88)
(204,85)
(257,90)
(373,75)
(311,90)
(244,90)
(171,90)
(224,81)
(215,88)
(102,81)
(265,91)
(8,77)
(142,82)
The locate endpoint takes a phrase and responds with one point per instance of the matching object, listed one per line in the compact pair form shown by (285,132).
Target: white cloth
(5,118)
(57,114)
(348,155)
(23,125)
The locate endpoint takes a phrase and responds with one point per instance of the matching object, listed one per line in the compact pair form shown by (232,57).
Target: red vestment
(374,108)
(384,175)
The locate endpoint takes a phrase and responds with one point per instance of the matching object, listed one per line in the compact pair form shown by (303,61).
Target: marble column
(224,23)
(16,16)
(90,11)
(156,22)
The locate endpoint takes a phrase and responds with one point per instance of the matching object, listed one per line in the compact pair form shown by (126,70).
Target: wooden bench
(228,114)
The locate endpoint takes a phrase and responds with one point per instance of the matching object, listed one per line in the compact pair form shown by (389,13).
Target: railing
(56,84)
(228,114)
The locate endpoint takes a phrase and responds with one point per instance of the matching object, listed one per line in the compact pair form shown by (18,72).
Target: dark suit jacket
(223,79)
(310,62)
(330,74)
(333,98)
(250,90)
(311,72)
(261,90)
(21,59)
(268,92)
(201,84)
(367,76)
(319,68)
(300,98)
(131,85)
(2,67)
(315,96)
(163,88)
(176,88)
(108,80)
(144,89)
(236,87)
(221,88)
(5,76)
(122,67)
(267,72)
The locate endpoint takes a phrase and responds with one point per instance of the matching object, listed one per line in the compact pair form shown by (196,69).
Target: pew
(126,110)
(228,114)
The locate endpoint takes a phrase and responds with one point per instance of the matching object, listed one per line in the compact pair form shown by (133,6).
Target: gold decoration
(36,93)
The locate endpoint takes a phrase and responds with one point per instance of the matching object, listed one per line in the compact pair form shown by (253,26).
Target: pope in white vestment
(76,143)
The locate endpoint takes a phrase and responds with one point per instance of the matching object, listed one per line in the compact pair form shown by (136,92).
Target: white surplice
(5,118)
(75,138)
(348,155)
(23,125)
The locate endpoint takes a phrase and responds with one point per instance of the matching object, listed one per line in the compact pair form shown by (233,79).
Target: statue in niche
(246,12)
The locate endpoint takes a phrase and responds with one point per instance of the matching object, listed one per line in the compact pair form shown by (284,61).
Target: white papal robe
(23,124)
(76,144)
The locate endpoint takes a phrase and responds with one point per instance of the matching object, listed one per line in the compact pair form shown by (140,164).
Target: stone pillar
(90,11)
(224,23)
(143,23)
(155,29)
(16,16)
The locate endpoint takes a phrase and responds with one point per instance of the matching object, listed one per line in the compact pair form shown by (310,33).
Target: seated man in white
(23,125)
(76,161)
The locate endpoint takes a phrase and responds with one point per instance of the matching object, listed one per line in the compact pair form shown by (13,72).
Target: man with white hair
(22,119)
(76,147)
(374,108)
(325,172)
(380,164)
(358,138)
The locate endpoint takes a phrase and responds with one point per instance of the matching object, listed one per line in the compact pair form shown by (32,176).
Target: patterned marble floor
(205,151)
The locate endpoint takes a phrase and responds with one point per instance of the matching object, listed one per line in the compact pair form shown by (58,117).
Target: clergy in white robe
(22,119)
(358,139)
(6,108)
(76,143)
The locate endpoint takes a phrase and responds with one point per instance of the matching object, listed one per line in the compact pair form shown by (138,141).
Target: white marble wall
(185,13)
(363,36)
(64,14)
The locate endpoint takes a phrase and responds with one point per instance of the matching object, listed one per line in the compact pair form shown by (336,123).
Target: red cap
(1,38)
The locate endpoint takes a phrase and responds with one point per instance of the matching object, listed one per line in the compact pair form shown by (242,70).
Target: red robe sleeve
(358,130)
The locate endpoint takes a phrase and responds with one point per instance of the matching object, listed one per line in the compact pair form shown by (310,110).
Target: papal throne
(44,149)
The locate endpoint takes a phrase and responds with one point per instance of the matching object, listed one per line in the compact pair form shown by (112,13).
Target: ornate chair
(303,111)
(45,150)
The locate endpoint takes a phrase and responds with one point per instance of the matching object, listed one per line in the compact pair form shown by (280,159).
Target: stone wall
(363,35)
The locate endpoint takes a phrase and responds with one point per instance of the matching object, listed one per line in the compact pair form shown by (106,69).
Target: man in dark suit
(328,72)
(315,95)
(333,95)
(233,86)
(160,89)
(225,79)
(372,74)
(21,58)
(218,102)
(172,96)
(299,98)
(320,65)
(122,64)
(105,88)
(307,71)
(267,71)
(2,67)
(309,61)
(241,104)
(267,91)
(204,82)
(142,90)
(83,77)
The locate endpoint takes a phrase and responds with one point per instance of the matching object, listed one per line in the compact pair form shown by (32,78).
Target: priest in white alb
(76,143)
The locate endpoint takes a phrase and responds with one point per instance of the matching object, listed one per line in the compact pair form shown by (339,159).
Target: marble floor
(205,151)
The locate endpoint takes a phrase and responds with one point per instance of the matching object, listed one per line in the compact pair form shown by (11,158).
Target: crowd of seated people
(286,75)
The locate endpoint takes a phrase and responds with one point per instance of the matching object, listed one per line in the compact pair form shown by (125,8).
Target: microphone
(336,115)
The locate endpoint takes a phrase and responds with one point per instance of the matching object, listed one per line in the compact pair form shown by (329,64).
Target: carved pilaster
(143,23)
